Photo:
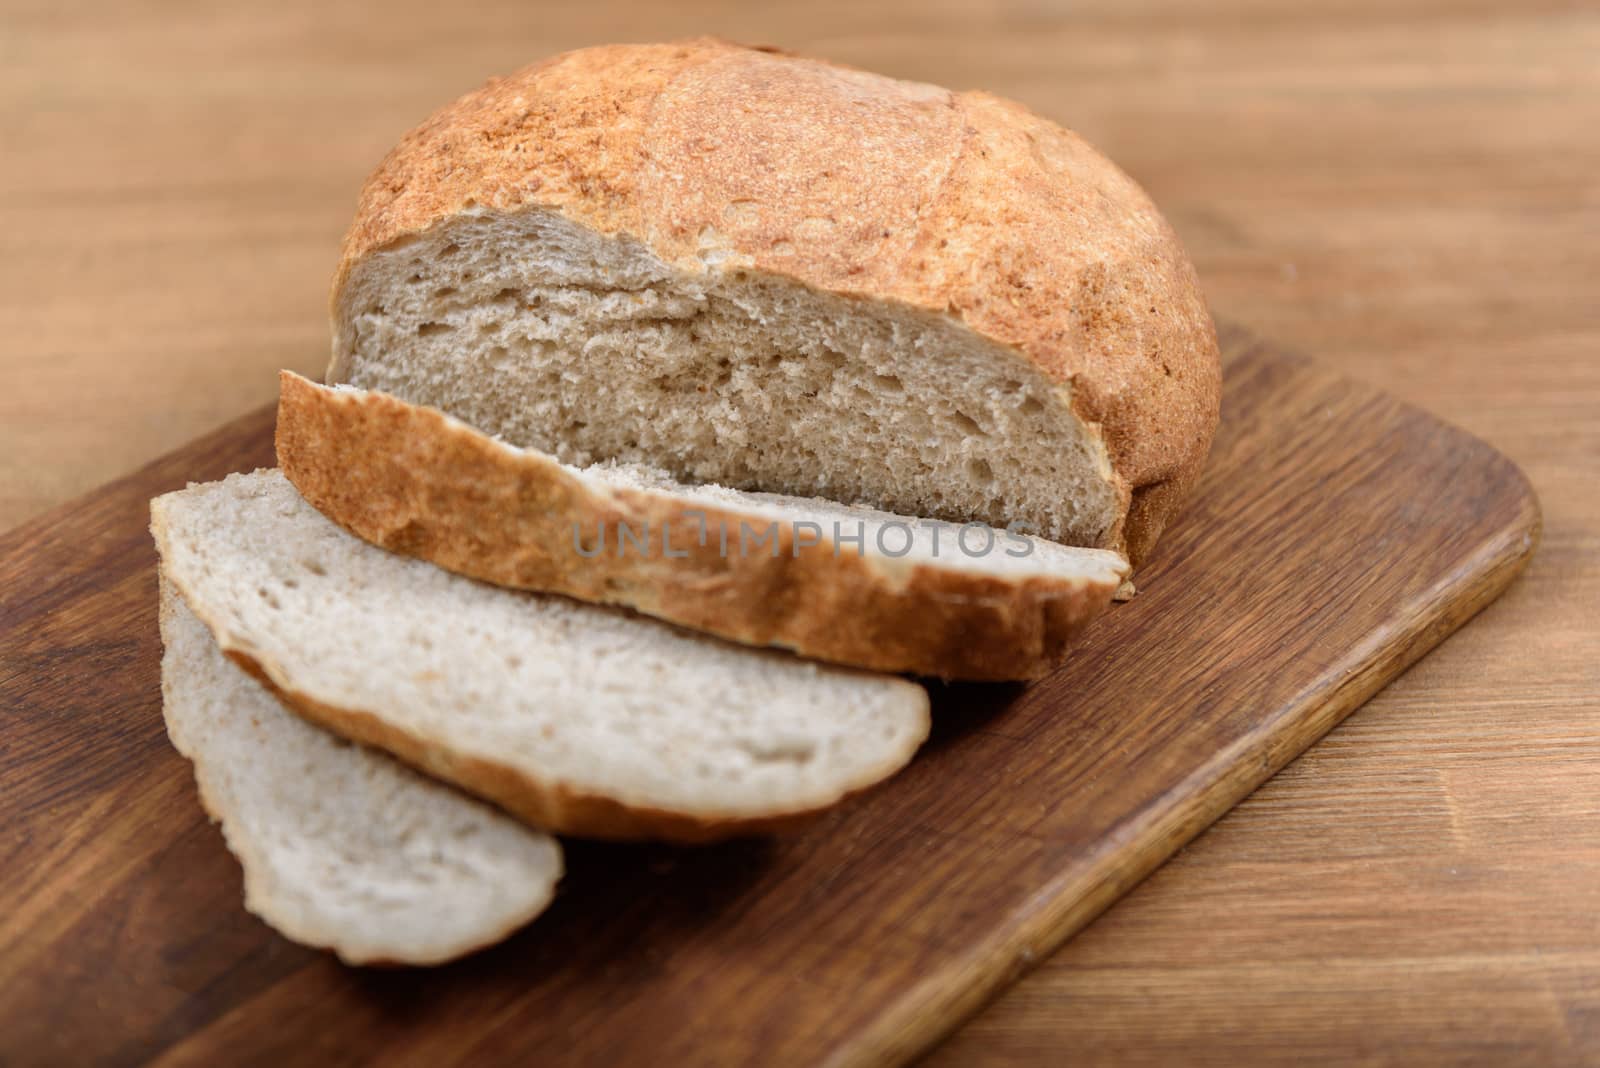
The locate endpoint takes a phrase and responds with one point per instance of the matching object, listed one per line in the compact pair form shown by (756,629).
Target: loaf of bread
(675,296)
(342,847)
(741,267)
(835,582)
(579,719)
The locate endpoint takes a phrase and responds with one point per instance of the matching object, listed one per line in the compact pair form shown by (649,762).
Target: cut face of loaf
(779,274)
(579,719)
(343,848)
(842,583)
(548,336)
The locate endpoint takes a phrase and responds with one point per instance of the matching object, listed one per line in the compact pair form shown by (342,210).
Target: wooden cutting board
(1337,536)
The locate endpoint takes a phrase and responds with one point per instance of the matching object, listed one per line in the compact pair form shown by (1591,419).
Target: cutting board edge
(898,1035)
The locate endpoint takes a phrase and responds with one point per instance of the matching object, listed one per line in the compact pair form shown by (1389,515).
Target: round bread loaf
(779,274)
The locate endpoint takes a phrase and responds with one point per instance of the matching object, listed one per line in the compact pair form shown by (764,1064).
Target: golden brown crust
(856,184)
(415,481)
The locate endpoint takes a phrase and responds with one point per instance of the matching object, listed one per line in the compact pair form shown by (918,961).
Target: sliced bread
(579,719)
(847,584)
(343,848)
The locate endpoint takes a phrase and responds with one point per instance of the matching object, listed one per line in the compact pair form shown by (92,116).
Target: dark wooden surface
(1336,537)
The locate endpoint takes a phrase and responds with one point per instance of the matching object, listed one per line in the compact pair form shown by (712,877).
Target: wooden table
(1408,190)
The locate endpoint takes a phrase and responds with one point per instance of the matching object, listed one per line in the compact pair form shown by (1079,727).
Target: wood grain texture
(1336,537)
(1408,189)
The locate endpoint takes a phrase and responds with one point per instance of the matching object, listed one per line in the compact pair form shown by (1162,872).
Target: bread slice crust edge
(416,481)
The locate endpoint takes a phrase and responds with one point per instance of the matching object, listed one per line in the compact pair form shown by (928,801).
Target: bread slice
(776,273)
(579,719)
(342,847)
(847,584)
